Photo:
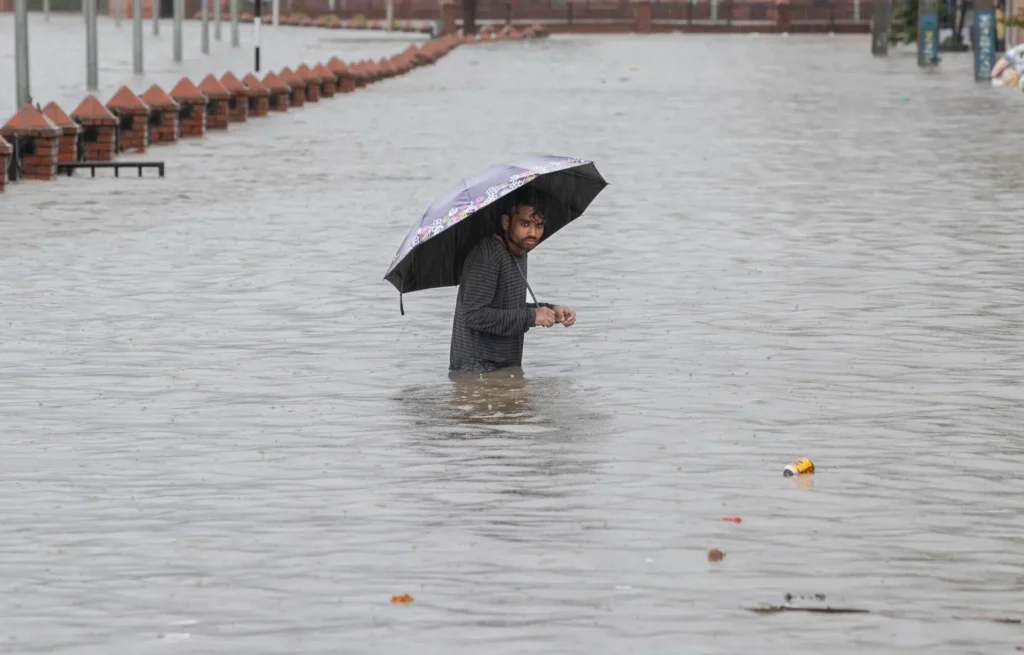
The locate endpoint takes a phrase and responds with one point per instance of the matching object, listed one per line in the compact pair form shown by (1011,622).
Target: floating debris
(769,608)
(715,555)
(732,519)
(994,619)
(403,598)
(790,597)
(802,466)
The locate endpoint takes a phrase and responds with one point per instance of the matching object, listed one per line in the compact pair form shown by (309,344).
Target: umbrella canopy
(437,245)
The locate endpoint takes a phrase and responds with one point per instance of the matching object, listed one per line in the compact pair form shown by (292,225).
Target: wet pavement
(215,422)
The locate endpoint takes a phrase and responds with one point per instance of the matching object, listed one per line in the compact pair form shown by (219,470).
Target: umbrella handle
(520,269)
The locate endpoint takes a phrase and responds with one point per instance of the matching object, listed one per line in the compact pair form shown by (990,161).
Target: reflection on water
(506,441)
(538,426)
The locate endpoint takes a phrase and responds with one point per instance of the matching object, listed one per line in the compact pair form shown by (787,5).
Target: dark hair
(538,210)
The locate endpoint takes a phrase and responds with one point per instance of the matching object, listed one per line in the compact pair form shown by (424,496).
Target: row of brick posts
(35,140)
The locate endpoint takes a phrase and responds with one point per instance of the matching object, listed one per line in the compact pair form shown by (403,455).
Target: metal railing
(819,11)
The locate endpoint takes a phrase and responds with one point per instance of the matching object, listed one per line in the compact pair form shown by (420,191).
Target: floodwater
(215,423)
(57,55)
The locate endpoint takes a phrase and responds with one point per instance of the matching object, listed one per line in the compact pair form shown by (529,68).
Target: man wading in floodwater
(491,313)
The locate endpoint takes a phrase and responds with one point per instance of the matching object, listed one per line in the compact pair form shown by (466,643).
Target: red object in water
(732,519)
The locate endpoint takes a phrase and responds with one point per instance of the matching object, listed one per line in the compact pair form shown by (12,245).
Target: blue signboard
(985,50)
(927,38)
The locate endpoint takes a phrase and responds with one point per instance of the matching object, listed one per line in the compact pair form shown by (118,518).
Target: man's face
(523,228)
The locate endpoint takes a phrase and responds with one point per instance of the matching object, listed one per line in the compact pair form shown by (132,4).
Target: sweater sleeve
(480,277)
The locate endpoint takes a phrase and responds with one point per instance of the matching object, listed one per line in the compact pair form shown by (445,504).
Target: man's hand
(545,317)
(565,316)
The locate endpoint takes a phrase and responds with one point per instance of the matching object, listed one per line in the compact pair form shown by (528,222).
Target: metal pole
(92,76)
(985,48)
(216,19)
(927,32)
(118,12)
(155,7)
(234,23)
(21,70)
(137,37)
(204,44)
(881,25)
(177,29)
(275,7)
(469,16)
(390,20)
(46,10)
(256,30)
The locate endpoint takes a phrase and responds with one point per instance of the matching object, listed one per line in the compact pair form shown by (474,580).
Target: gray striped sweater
(491,312)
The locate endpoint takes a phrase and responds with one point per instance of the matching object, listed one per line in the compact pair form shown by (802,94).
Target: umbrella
(437,245)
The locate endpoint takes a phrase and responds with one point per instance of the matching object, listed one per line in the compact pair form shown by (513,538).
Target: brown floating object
(715,555)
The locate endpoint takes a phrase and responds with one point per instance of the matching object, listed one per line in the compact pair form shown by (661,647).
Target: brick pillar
(344,80)
(133,119)
(192,108)
(99,129)
(449,15)
(259,96)
(328,87)
(238,104)
(311,81)
(217,100)
(163,115)
(67,150)
(38,141)
(642,16)
(279,92)
(297,98)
